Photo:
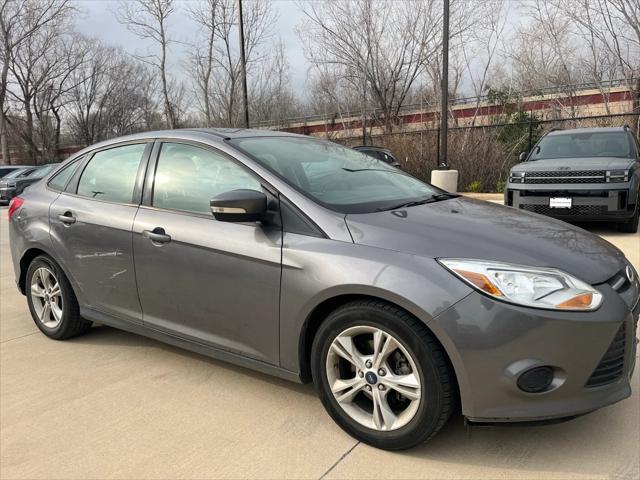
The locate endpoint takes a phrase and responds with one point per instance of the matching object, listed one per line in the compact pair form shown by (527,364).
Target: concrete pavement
(115,405)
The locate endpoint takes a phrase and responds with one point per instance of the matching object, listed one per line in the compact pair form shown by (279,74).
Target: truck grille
(577,210)
(611,366)
(574,176)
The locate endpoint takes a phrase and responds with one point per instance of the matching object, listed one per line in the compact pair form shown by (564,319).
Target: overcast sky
(99,21)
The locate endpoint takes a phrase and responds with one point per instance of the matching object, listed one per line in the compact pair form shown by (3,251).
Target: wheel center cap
(371,378)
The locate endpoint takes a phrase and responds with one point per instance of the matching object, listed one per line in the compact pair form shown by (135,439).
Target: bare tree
(482,50)
(272,97)
(202,64)
(217,67)
(111,95)
(611,29)
(148,20)
(20,20)
(378,45)
(40,69)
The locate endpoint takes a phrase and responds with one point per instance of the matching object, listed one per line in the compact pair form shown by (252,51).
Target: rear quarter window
(60,180)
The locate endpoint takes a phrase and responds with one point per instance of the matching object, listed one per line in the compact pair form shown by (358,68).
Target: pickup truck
(588,174)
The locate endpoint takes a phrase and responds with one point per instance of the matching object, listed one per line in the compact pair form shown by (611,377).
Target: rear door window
(111,174)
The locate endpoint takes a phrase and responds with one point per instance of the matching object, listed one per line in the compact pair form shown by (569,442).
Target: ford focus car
(313,262)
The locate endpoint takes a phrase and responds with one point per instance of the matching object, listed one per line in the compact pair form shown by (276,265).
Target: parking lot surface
(115,405)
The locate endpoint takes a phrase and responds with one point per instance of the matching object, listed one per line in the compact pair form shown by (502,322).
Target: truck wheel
(631,226)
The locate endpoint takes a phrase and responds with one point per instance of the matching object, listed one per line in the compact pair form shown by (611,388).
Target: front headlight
(517,177)
(528,286)
(617,175)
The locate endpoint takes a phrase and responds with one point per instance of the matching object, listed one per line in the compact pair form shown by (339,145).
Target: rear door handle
(157,235)
(67,218)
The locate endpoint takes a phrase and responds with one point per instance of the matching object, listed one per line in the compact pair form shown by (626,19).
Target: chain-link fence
(483,155)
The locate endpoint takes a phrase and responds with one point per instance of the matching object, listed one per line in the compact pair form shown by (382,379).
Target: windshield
(337,177)
(578,145)
(42,171)
(17,173)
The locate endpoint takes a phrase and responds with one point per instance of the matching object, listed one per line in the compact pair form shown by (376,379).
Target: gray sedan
(313,262)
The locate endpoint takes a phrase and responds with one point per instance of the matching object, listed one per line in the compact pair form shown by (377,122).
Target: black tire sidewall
(631,226)
(428,416)
(68,298)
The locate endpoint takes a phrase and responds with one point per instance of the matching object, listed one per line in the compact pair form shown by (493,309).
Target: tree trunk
(4,137)
(4,140)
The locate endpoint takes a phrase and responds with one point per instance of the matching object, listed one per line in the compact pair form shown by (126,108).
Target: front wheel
(631,226)
(381,375)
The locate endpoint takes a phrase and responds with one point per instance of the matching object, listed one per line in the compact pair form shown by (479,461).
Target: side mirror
(523,157)
(239,206)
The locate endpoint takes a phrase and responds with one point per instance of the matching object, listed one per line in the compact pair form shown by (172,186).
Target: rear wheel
(52,303)
(381,375)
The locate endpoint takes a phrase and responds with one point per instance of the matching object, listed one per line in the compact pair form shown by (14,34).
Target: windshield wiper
(352,170)
(433,198)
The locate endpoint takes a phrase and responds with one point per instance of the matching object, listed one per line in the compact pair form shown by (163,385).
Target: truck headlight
(516,177)
(528,286)
(617,176)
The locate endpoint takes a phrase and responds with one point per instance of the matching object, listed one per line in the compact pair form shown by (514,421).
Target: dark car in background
(590,174)
(380,153)
(7,169)
(14,184)
(8,181)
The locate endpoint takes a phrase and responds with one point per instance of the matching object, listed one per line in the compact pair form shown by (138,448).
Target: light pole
(243,66)
(444,177)
(443,163)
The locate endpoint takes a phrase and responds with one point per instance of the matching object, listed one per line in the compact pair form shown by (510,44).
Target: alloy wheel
(46,297)
(373,378)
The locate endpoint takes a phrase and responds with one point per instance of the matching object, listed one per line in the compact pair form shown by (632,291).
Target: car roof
(372,147)
(208,134)
(587,130)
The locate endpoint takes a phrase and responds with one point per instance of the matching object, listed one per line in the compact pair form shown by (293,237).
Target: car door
(91,229)
(208,281)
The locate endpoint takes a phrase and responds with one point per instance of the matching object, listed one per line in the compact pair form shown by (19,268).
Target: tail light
(14,205)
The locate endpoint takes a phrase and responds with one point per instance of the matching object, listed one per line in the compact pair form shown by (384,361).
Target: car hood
(468,228)
(568,164)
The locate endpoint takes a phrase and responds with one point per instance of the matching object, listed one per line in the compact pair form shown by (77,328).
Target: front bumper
(491,343)
(607,201)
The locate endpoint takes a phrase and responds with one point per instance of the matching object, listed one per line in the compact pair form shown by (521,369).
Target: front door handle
(67,218)
(157,235)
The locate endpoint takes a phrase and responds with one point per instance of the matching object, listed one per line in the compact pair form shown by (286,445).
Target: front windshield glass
(41,172)
(16,173)
(337,177)
(584,144)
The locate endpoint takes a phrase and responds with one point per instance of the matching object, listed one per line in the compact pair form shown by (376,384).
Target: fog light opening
(536,380)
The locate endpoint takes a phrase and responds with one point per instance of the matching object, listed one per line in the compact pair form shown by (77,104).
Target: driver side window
(188,177)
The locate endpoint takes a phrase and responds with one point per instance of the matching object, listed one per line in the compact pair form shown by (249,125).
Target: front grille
(574,176)
(611,366)
(577,210)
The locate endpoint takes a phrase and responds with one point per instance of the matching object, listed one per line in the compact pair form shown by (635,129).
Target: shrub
(474,186)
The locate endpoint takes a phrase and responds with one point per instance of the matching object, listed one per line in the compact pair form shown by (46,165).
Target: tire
(631,226)
(62,319)
(418,356)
